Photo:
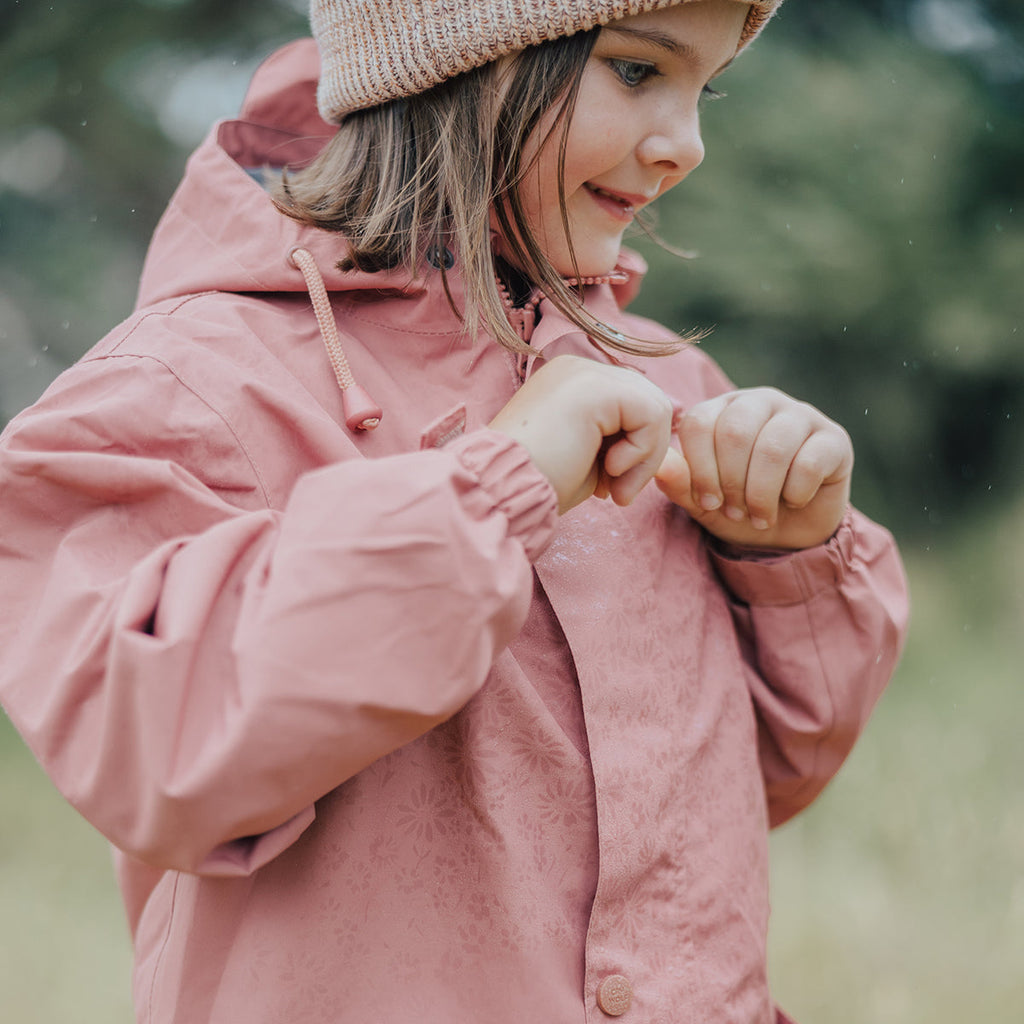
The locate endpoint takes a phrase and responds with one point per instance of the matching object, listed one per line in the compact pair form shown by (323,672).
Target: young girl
(386,715)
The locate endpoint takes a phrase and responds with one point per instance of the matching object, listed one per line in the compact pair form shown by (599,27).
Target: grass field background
(898,898)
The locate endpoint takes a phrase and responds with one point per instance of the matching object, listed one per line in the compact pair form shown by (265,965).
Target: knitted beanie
(372,51)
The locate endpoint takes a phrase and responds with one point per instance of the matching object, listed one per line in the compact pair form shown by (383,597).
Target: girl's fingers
(826,456)
(625,487)
(589,426)
(758,467)
(696,431)
(717,438)
(772,463)
(673,479)
(631,461)
(736,433)
(636,437)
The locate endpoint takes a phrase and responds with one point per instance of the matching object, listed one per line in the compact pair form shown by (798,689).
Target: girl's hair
(403,179)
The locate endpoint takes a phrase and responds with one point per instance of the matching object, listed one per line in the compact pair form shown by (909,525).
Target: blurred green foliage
(857,217)
(858,220)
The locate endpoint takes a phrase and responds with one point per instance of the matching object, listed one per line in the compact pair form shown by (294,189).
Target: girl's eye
(708,93)
(633,72)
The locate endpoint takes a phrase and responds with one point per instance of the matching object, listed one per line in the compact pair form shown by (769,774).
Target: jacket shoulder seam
(193,390)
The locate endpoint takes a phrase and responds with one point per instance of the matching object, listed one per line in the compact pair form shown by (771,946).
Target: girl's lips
(619,205)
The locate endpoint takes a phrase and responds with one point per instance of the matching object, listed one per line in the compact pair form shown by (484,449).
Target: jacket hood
(221,230)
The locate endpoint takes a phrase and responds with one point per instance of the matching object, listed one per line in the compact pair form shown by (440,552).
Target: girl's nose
(674,144)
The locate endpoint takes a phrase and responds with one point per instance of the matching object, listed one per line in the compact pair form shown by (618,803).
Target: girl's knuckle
(775,451)
(698,423)
(732,434)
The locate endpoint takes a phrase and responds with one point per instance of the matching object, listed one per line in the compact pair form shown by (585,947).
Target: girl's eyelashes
(635,73)
(632,73)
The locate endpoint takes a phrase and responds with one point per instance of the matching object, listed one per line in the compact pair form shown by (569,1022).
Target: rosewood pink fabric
(376,738)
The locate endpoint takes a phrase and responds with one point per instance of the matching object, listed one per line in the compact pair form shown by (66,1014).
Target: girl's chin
(587,268)
(591,260)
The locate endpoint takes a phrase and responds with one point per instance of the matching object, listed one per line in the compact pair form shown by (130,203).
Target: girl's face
(635,131)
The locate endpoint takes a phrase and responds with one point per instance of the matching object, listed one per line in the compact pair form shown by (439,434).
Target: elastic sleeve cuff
(515,486)
(775,578)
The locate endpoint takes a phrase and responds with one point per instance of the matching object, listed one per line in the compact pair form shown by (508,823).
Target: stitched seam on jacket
(170,311)
(163,947)
(202,398)
(349,308)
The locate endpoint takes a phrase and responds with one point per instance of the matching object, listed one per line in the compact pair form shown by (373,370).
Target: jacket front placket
(674,818)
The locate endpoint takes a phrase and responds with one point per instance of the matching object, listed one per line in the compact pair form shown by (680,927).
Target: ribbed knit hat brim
(372,51)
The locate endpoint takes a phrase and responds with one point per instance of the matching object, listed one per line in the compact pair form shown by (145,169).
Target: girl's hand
(590,427)
(759,468)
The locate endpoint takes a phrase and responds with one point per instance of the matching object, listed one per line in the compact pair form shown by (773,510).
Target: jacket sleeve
(822,631)
(194,674)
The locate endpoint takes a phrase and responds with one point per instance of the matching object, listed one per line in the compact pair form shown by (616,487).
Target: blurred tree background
(861,241)
(858,224)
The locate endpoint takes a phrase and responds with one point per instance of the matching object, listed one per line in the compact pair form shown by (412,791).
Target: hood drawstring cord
(361,412)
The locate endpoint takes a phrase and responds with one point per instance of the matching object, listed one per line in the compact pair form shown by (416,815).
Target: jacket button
(614,995)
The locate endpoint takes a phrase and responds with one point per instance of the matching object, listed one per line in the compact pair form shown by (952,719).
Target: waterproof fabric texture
(375,735)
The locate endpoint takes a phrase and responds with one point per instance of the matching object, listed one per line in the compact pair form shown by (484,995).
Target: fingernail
(709,502)
(735,514)
(758,523)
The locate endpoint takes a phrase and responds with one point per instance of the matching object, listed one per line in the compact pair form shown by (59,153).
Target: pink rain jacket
(376,737)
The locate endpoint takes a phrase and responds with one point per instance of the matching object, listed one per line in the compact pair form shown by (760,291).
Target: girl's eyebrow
(665,42)
(660,39)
